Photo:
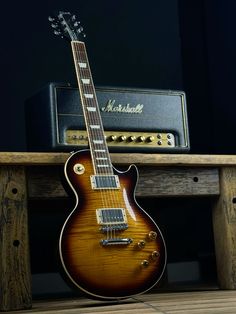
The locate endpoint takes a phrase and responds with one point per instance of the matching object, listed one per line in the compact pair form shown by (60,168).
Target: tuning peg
(57,33)
(51,19)
(73,18)
(54,25)
(77,23)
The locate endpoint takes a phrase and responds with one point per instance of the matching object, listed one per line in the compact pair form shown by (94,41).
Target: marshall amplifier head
(134,120)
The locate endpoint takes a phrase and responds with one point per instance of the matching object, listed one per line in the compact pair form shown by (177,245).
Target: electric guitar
(109,247)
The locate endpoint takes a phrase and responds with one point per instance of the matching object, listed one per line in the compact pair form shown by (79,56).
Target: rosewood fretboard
(97,142)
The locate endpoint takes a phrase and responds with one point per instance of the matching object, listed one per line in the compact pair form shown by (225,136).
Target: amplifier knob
(132,138)
(112,138)
(122,138)
(141,138)
(150,139)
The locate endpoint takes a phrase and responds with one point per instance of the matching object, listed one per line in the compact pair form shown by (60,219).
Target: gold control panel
(122,138)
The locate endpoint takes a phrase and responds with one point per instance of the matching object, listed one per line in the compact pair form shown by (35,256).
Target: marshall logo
(112,107)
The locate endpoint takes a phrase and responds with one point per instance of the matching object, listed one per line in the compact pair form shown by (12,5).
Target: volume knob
(145,263)
(155,255)
(152,235)
(141,244)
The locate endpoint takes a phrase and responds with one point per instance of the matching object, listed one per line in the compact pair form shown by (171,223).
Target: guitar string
(82,56)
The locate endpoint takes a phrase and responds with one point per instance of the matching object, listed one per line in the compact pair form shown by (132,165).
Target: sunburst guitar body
(115,253)
(109,247)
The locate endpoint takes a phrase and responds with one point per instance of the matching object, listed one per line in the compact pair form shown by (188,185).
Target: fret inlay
(91,109)
(85,81)
(98,141)
(95,126)
(88,95)
(82,65)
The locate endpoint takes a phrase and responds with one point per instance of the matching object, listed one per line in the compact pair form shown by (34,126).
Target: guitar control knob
(113,138)
(155,255)
(145,263)
(141,139)
(150,139)
(141,244)
(122,138)
(152,235)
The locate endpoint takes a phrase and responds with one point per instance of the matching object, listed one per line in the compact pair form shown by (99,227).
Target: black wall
(130,43)
(171,44)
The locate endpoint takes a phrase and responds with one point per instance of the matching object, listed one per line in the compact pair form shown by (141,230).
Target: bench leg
(15,276)
(224,225)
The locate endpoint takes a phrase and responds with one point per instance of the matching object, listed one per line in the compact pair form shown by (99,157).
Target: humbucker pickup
(105,182)
(111,216)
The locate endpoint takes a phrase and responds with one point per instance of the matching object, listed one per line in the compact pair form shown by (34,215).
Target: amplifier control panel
(122,138)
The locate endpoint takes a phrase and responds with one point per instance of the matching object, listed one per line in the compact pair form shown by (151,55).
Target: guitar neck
(96,137)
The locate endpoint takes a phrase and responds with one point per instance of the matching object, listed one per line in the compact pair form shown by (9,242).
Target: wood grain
(15,287)
(56,158)
(224,223)
(46,182)
(201,302)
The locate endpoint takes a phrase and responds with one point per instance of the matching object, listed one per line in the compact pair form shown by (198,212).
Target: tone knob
(152,235)
(155,255)
(141,244)
(145,263)
(141,139)
(122,138)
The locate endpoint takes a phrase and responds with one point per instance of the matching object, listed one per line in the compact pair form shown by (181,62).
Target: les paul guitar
(109,247)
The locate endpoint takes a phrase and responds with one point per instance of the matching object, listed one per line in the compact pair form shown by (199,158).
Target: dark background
(185,45)
(171,44)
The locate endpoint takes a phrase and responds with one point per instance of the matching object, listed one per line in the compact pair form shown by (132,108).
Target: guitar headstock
(67,26)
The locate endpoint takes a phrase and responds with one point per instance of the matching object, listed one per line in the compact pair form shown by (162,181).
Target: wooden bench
(29,175)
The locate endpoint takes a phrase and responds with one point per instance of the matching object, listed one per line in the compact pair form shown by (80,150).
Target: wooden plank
(204,302)
(45,182)
(56,158)
(15,287)
(224,223)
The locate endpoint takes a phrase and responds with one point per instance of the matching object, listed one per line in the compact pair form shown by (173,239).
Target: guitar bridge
(116,241)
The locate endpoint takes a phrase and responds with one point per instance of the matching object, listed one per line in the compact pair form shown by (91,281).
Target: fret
(95,126)
(103,166)
(99,150)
